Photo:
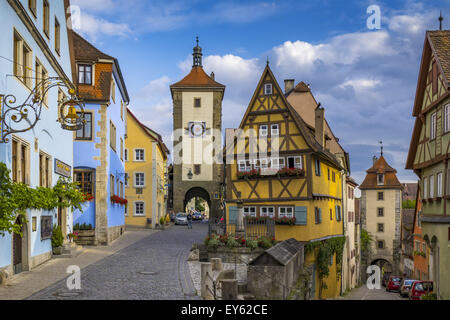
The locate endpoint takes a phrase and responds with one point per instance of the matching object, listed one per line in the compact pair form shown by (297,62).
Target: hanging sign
(63,169)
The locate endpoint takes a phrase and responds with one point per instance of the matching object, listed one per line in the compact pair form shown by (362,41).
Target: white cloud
(94,27)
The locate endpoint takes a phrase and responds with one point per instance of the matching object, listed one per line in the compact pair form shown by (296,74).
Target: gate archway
(383,264)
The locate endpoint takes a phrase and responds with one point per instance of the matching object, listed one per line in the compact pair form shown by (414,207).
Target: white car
(181,218)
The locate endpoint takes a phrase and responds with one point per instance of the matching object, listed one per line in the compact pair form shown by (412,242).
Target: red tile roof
(197,78)
(390,177)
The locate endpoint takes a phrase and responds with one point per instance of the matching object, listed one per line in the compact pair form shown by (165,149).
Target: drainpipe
(344,215)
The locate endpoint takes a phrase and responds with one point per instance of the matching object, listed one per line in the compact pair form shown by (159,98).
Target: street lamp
(190,174)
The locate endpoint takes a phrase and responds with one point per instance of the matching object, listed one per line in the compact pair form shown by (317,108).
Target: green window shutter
(301,216)
(320,215)
(232,214)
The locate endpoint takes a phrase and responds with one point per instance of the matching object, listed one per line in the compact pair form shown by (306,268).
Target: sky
(365,78)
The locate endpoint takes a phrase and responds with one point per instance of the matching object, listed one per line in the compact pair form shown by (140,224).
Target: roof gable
(381,167)
(197,78)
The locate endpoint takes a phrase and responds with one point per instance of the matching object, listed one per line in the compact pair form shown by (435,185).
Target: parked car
(419,289)
(393,283)
(197,216)
(385,279)
(181,218)
(405,287)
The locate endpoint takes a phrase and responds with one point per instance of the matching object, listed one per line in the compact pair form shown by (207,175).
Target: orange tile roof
(197,78)
(381,167)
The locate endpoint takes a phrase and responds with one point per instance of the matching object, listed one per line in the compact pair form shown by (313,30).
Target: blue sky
(365,79)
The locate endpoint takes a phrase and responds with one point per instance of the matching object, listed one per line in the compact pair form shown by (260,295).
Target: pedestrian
(189,220)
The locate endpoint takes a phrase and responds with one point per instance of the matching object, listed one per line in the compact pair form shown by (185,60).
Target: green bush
(213,242)
(162,221)
(232,243)
(252,243)
(265,242)
(57,237)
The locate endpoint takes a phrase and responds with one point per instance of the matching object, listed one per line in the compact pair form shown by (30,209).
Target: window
(447,118)
(328,171)
(380,179)
(22,60)
(249,211)
(32,7)
(197,169)
(139,208)
(112,135)
(126,180)
(267,212)
(295,162)
(20,161)
(338,213)
(318,167)
(417,245)
(85,132)
(439,185)
(381,227)
(121,190)
(85,179)
(121,149)
(432,186)
(285,212)
(85,74)
(267,88)
(46,11)
(333,176)
(318,215)
(425,188)
(126,211)
(380,212)
(125,155)
(263,130)
(38,76)
(380,244)
(197,102)
(433,127)
(331,214)
(112,188)
(274,129)
(139,180)
(57,37)
(380,196)
(113,91)
(44,170)
(245,165)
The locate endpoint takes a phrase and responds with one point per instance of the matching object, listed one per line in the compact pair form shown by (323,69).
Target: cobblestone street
(363,293)
(153,268)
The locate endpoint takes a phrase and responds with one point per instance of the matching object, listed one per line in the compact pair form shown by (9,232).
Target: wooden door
(17,251)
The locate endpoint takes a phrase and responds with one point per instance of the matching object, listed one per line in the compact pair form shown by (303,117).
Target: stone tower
(197,139)
(381,199)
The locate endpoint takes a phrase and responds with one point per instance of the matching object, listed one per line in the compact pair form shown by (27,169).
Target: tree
(199,204)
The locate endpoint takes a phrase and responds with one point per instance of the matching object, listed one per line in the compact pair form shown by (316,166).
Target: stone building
(99,164)
(197,145)
(381,195)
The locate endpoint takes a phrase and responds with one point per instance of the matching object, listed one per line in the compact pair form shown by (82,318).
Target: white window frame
(439,185)
(268,89)
(264,163)
(298,162)
(425,188)
(275,163)
(432,186)
(135,180)
(266,213)
(263,130)
(378,179)
(143,208)
(249,213)
(286,214)
(244,165)
(433,126)
(275,129)
(135,154)
(126,178)
(447,118)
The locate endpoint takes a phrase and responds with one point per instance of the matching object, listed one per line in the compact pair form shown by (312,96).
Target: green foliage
(252,243)
(212,242)
(199,205)
(420,253)
(266,242)
(57,237)
(366,241)
(82,227)
(232,243)
(302,289)
(162,221)
(16,198)
(409,204)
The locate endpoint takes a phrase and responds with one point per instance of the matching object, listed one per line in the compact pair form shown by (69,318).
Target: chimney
(320,125)
(375,159)
(288,85)
(213,76)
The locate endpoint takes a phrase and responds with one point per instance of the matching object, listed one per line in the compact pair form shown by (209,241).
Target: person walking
(189,220)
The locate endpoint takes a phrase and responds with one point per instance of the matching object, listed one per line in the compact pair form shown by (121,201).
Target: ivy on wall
(324,251)
(16,198)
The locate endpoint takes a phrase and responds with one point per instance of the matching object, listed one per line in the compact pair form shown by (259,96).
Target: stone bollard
(229,289)
(216,264)
(206,282)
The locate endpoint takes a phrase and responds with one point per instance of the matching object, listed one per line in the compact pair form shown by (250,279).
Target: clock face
(197,129)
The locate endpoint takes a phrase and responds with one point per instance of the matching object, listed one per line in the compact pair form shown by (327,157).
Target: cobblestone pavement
(363,293)
(154,268)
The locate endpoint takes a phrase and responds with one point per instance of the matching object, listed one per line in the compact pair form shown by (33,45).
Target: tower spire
(381,144)
(197,55)
(441,18)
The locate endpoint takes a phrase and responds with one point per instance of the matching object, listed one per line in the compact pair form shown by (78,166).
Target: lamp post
(190,175)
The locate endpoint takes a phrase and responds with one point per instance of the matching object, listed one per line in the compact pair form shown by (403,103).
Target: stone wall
(115,232)
(266,282)
(235,255)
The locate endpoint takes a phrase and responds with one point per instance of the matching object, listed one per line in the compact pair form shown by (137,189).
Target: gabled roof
(197,78)
(285,251)
(436,43)
(86,51)
(390,177)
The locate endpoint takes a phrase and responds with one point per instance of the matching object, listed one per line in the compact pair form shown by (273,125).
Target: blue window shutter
(232,214)
(301,216)
(337,213)
(320,215)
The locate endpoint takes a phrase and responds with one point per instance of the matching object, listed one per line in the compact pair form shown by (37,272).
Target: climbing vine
(16,198)
(366,241)
(324,251)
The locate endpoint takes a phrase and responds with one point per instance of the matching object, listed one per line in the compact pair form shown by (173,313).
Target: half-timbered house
(277,167)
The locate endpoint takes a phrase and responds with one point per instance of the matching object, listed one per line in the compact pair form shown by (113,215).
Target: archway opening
(197,200)
(385,266)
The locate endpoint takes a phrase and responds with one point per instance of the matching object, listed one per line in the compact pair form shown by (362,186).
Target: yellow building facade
(146,175)
(277,167)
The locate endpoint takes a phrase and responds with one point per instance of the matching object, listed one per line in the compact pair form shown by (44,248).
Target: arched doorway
(20,248)
(198,198)
(385,265)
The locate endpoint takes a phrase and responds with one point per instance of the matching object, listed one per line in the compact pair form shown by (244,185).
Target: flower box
(118,200)
(270,173)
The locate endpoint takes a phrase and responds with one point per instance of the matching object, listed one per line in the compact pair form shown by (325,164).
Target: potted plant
(57,240)
(162,222)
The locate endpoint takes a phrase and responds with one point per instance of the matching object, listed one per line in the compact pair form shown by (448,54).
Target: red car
(419,289)
(393,283)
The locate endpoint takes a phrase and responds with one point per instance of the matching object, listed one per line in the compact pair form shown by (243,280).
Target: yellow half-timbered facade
(277,167)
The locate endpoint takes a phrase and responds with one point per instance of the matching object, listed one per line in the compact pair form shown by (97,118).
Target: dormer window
(381,179)
(85,74)
(263,130)
(268,89)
